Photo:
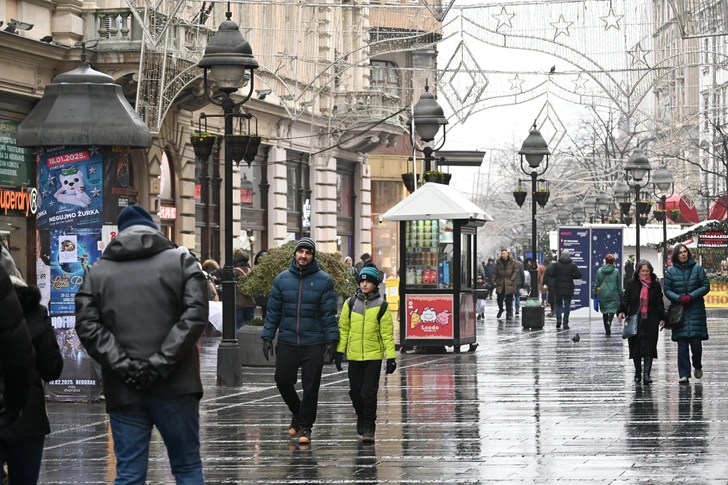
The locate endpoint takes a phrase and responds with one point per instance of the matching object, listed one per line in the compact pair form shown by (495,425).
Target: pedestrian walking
(261,301)
(365,258)
(350,266)
(144,334)
(244,304)
(504,279)
(608,290)
(520,284)
(488,270)
(564,271)
(643,296)
(480,302)
(542,287)
(686,283)
(17,355)
(210,268)
(628,269)
(21,443)
(367,336)
(302,310)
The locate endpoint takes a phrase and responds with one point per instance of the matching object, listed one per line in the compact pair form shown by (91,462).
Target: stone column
(277,197)
(363,224)
(67,24)
(324,208)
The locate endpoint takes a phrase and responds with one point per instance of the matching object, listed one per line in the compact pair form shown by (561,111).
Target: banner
(576,240)
(605,241)
(429,316)
(70,187)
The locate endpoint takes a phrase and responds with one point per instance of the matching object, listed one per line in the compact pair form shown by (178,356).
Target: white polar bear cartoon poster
(70,187)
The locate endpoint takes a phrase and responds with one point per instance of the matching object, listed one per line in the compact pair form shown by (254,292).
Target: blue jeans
(684,346)
(178,421)
(517,298)
(563,305)
(243,315)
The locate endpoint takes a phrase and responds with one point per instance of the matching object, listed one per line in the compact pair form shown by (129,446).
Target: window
(385,78)
(292,178)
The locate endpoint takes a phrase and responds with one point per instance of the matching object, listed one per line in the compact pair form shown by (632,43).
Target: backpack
(382,308)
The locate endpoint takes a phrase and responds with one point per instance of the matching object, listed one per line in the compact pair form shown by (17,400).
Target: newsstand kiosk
(438,267)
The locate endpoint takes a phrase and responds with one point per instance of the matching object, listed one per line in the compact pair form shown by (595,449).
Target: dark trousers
(23,456)
(509,302)
(684,346)
(311,361)
(364,385)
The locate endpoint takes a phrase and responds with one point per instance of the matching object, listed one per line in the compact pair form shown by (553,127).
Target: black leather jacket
(143,299)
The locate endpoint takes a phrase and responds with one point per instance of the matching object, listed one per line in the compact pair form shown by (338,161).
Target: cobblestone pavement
(526,407)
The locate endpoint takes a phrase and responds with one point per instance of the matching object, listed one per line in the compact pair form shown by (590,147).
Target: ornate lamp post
(663,182)
(590,207)
(602,204)
(428,117)
(533,151)
(622,196)
(229,58)
(578,213)
(638,176)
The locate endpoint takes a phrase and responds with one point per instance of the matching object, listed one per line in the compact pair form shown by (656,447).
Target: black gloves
(391,365)
(267,348)
(338,359)
(141,374)
(330,351)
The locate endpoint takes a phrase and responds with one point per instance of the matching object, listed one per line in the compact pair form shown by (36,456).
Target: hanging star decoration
(91,170)
(638,55)
(93,151)
(562,27)
(504,18)
(580,83)
(95,192)
(516,83)
(52,181)
(611,20)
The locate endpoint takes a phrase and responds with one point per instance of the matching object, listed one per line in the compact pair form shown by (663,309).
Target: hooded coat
(48,366)
(697,286)
(302,307)
(564,271)
(505,275)
(143,299)
(610,288)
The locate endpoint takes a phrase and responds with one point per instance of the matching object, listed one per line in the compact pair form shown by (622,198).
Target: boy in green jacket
(367,334)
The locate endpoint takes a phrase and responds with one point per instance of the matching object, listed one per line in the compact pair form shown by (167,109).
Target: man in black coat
(17,357)
(139,312)
(564,271)
(628,270)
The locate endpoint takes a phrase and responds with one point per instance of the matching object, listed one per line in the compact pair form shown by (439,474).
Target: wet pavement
(529,406)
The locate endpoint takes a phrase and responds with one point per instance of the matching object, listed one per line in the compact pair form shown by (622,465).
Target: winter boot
(637,370)
(295,426)
(370,428)
(607,325)
(360,425)
(305,437)
(646,379)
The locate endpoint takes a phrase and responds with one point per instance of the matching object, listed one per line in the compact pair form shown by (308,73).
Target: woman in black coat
(21,443)
(651,317)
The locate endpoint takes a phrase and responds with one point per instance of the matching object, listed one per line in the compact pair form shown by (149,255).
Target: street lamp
(563,216)
(578,212)
(428,117)
(602,204)
(533,151)
(638,176)
(622,196)
(590,206)
(229,58)
(663,182)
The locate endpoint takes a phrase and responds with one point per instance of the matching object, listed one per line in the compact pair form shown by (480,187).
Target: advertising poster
(429,316)
(467,315)
(70,187)
(576,240)
(72,250)
(605,241)
(14,161)
(718,295)
(117,179)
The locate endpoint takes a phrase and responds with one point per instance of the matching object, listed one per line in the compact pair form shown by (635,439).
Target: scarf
(646,283)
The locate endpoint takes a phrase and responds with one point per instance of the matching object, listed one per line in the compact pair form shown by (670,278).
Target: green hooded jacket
(610,288)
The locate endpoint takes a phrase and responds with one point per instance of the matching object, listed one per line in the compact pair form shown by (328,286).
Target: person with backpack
(244,304)
(367,335)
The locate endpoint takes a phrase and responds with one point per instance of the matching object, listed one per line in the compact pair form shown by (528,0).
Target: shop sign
(429,316)
(14,161)
(718,295)
(167,212)
(19,200)
(713,239)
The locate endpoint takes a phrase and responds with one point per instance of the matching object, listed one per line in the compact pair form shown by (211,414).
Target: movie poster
(70,187)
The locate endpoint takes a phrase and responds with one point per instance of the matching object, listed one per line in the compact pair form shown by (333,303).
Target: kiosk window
(429,246)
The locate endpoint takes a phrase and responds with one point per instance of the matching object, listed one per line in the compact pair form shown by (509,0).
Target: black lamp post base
(229,373)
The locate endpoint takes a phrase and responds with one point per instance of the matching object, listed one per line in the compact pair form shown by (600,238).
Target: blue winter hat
(369,273)
(135,215)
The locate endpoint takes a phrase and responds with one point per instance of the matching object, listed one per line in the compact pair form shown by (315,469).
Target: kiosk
(438,267)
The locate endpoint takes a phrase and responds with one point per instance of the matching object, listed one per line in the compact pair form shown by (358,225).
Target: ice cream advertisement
(429,316)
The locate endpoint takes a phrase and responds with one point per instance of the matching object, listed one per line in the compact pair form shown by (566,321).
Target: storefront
(345,208)
(298,174)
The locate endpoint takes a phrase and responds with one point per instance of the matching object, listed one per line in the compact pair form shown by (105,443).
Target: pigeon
(575,338)
(553,70)
(48,39)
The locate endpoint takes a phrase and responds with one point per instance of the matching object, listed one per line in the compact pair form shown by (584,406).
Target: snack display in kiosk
(429,253)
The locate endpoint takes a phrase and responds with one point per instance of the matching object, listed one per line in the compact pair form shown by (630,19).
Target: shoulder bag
(630,326)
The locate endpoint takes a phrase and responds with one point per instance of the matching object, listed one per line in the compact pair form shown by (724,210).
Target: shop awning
(435,201)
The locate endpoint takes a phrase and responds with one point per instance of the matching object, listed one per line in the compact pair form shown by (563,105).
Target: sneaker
(368,435)
(360,425)
(684,380)
(500,312)
(305,437)
(516,311)
(295,426)
(698,373)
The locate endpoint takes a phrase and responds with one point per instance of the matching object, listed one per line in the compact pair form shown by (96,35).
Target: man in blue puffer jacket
(302,309)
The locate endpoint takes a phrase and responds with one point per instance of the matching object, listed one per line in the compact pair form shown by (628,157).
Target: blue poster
(576,240)
(607,240)
(70,187)
(72,250)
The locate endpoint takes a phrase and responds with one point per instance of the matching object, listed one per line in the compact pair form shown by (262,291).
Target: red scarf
(644,295)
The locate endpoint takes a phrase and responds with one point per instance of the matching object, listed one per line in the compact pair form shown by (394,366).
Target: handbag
(675,316)
(595,301)
(630,326)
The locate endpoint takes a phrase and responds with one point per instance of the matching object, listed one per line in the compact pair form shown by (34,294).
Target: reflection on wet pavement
(528,406)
